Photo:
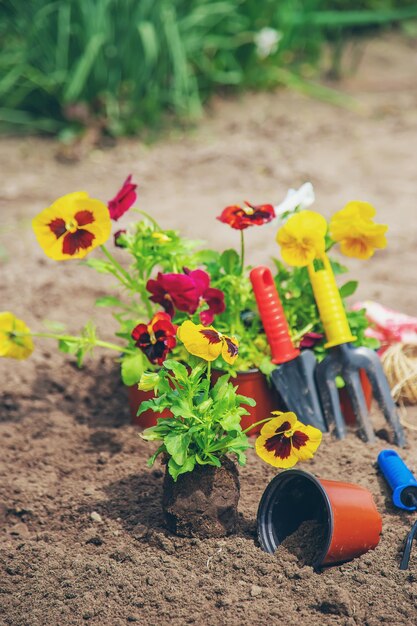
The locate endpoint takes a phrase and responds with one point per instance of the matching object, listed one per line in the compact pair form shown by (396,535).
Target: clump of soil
(307,542)
(202,503)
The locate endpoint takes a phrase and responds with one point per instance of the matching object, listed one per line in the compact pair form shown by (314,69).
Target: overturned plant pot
(202,503)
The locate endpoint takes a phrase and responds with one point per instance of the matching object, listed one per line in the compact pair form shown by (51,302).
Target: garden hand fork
(344,360)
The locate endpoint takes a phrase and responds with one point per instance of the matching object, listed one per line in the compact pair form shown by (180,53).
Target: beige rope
(400,365)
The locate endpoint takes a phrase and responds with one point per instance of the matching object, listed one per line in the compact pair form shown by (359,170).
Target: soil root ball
(202,503)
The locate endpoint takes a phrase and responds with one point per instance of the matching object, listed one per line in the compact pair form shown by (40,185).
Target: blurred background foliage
(129,65)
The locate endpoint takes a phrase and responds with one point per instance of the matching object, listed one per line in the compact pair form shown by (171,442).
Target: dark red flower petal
(211,335)
(123,200)
(232,348)
(84,217)
(138,331)
(234,217)
(239,218)
(284,426)
(280,445)
(215,300)
(160,296)
(57,226)
(75,241)
(156,352)
(299,439)
(200,278)
(309,340)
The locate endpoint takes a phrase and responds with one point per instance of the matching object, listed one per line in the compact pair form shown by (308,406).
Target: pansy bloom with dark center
(284,440)
(72,226)
(250,215)
(207,342)
(123,200)
(187,292)
(157,338)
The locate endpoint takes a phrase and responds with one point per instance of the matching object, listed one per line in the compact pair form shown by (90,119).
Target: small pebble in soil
(255,591)
(96,517)
(306,543)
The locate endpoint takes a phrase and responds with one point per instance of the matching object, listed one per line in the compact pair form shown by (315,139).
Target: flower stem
(208,380)
(296,337)
(242,251)
(148,217)
(72,338)
(267,419)
(125,277)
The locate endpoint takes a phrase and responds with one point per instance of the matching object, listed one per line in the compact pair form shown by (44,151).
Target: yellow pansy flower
(72,226)
(284,441)
(207,343)
(353,227)
(14,345)
(302,238)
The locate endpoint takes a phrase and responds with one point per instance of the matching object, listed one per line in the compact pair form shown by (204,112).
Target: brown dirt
(67,448)
(307,542)
(202,503)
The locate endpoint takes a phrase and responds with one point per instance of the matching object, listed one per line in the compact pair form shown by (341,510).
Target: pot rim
(270,543)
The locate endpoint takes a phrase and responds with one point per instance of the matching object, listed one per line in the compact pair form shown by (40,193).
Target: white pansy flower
(302,198)
(266,42)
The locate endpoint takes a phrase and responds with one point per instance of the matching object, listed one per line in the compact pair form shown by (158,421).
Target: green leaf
(180,371)
(337,267)
(153,458)
(231,421)
(245,400)
(109,301)
(177,446)
(103,267)
(230,261)
(175,470)
(348,288)
(69,347)
(132,368)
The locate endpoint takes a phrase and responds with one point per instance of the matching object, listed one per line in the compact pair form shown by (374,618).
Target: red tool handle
(272,315)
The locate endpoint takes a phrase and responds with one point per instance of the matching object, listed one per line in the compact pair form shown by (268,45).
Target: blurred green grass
(128,65)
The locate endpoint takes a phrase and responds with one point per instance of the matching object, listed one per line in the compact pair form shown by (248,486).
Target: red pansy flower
(309,340)
(123,200)
(187,292)
(250,215)
(157,338)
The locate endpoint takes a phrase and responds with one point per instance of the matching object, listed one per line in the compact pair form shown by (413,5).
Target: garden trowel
(344,360)
(294,377)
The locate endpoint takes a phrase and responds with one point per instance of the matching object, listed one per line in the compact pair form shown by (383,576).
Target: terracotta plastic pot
(147,418)
(254,385)
(351,522)
(345,403)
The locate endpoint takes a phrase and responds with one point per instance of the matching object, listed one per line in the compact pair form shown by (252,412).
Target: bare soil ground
(67,447)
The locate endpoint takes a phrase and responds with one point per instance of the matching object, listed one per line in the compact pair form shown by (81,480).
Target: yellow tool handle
(330,305)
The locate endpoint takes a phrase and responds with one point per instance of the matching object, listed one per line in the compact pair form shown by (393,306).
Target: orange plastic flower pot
(147,418)
(351,522)
(254,385)
(346,404)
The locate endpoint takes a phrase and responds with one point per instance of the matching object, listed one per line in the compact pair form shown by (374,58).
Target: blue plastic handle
(398,477)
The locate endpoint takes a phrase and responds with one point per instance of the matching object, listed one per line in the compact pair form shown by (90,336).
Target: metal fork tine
(354,387)
(326,373)
(382,395)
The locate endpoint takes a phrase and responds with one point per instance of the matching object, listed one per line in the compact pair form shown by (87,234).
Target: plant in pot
(201,483)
